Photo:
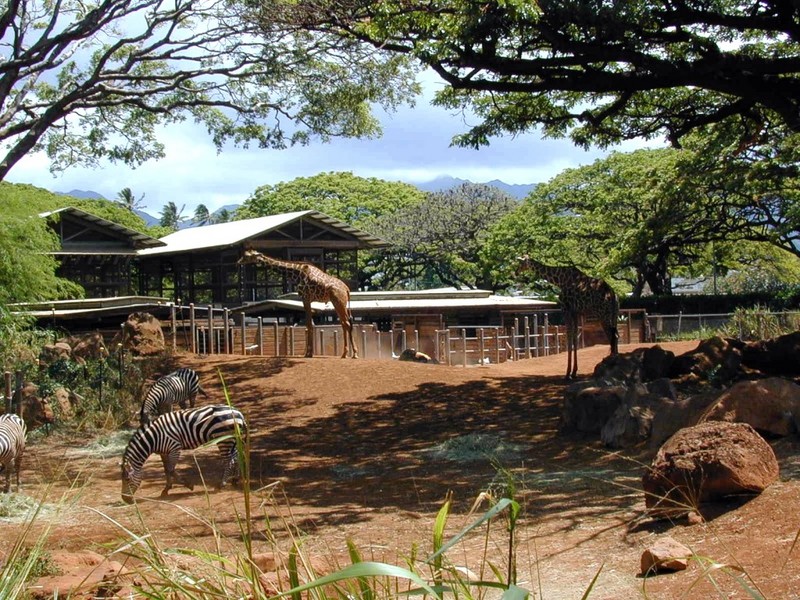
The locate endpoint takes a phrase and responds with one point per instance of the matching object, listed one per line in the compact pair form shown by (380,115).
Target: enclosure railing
(745,325)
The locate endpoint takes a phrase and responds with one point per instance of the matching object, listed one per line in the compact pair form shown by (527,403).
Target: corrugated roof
(138,239)
(447,298)
(222,235)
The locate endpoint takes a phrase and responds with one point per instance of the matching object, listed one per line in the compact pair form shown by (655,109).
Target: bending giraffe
(579,295)
(313,285)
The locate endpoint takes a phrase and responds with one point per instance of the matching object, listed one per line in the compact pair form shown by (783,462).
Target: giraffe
(313,285)
(579,295)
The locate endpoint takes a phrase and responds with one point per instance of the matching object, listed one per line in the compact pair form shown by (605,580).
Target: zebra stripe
(179,387)
(181,430)
(12,446)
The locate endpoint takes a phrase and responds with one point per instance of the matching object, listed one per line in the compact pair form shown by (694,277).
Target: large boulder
(632,421)
(51,353)
(89,346)
(675,414)
(36,410)
(142,335)
(771,406)
(715,358)
(776,356)
(589,404)
(705,463)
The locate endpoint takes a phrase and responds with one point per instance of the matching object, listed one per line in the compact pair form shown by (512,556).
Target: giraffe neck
(555,275)
(282,265)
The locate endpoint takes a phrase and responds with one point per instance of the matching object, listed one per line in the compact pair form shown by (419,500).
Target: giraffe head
(249,256)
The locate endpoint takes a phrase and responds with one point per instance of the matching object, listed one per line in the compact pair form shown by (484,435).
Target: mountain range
(440,184)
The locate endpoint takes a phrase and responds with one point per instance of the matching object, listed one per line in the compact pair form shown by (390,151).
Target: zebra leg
(230,466)
(6,468)
(18,467)
(170,461)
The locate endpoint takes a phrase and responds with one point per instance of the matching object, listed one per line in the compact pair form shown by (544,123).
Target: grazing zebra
(12,446)
(181,430)
(179,387)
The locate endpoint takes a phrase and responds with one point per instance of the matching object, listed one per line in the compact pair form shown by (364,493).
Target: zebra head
(131,480)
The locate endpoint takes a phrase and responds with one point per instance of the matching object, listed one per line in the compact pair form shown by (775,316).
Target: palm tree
(170,215)
(201,215)
(221,216)
(126,198)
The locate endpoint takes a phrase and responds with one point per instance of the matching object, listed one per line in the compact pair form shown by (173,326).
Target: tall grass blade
(593,583)
(361,570)
(363,584)
(492,512)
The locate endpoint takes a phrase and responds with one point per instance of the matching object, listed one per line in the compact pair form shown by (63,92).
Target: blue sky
(414,148)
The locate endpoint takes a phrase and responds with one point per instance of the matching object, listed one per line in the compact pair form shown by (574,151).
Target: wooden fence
(529,337)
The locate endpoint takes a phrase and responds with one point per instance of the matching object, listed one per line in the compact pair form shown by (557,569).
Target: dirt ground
(368,450)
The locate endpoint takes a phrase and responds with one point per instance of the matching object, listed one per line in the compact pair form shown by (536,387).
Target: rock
(705,463)
(589,405)
(715,358)
(666,554)
(83,574)
(66,401)
(770,406)
(90,346)
(51,353)
(673,415)
(36,411)
(656,363)
(777,356)
(632,421)
(623,368)
(142,335)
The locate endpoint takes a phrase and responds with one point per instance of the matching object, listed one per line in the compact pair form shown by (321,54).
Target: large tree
(598,71)
(439,241)
(342,195)
(87,81)
(638,216)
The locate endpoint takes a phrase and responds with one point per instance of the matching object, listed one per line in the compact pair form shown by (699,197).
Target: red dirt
(349,444)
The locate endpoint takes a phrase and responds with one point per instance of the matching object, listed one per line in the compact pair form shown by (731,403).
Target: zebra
(179,387)
(12,446)
(172,432)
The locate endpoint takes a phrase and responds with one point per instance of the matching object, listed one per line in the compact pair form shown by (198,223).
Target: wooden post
(226,331)
(363,342)
(210,349)
(545,333)
(192,329)
(336,342)
(527,330)
(244,336)
(261,336)
(276,328)
(481,346)
(496,345)
(403,338)
(514,336)
(630,328)
(291,340)
(8,392)
(379,346)
(320,349)
(416,339)
(536,341)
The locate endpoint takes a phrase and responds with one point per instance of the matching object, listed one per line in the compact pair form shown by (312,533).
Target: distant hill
(88,194)
(445,182)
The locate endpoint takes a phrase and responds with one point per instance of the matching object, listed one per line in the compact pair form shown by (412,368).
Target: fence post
(481,346)
(514,335)
(416,339)
(192,329)
(321,347)
(276,329)
(244,336)
(364,342)
(464,346)
(380,353)
(497,345)
(261,336)
(210,329)
(527,330)
(226,331)
(546,333)
(403,337)
(447,347)
(336,342)
(291,340)
(536,340)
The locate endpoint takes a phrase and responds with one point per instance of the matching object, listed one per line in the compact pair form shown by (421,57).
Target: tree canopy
(91,81)
(598,71)
(640,217)
(439,241)
(342,195)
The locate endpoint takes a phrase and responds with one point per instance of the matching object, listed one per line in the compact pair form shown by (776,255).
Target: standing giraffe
(579,295)
(313,285)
